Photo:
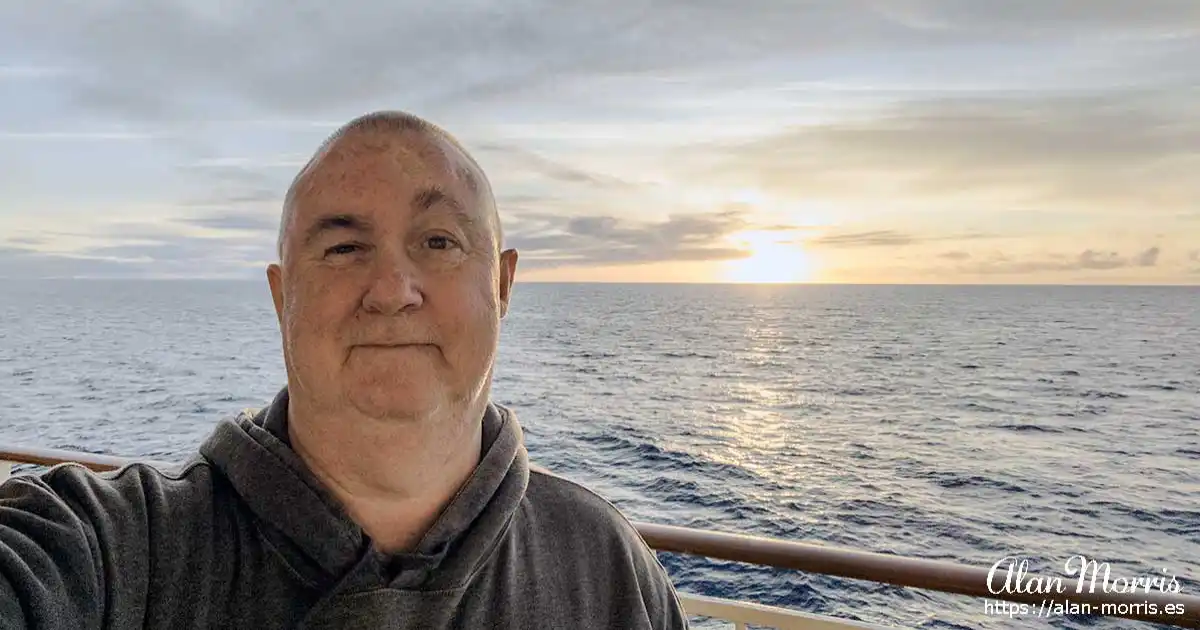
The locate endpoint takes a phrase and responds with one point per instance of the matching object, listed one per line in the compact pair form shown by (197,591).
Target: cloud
(518,158)
(21,263)
(289,162)
(548,240)
(433,55)
(234,194)
(1131,150)
(184,250)
(1154,19)
(77,136)
(236,221)
(1148,258)
(863,239)
(884,238)
(27,72)
(955,255)
(1087,260)
(145,250)
(281,60)
(587,111)
(27,240)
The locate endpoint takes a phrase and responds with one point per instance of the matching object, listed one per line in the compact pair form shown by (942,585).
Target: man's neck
(393,477)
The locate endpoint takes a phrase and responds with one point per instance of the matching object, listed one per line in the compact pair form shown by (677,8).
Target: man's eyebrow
(331,222)
(431,198)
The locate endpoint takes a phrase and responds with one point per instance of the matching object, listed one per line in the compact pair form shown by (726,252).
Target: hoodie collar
(254,453)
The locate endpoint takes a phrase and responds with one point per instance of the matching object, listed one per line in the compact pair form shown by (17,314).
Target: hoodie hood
(314,533)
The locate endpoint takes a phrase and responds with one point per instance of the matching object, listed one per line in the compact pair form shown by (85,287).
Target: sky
(855,141)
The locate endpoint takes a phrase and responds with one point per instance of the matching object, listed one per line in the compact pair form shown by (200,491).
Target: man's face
(391,288)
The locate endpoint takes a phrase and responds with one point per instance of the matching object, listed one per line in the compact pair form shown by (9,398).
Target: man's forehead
(409,153)
(424,155)
(352,167)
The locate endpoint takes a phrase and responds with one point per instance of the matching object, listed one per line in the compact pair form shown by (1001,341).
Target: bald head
(390,126)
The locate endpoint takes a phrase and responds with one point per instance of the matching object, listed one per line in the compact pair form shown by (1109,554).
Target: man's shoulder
(582,533)
(136,486)
(553,490)
(571,507)
(137,473)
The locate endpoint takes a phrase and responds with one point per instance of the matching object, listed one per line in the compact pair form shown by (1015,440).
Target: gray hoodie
(243,536)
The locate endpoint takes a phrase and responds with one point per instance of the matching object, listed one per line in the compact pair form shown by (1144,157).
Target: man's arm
(662,602)
(51,573)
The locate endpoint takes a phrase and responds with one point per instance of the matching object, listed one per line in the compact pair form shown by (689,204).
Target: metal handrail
(54,457)
(932,575)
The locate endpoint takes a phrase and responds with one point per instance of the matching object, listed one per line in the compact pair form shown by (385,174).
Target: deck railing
(935,575)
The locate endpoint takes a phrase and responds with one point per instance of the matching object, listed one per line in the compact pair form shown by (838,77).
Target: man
(381,488)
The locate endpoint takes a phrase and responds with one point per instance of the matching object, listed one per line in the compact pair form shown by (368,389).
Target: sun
(773,259)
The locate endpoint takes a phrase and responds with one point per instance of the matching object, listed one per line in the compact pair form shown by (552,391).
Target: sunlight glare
(774,259)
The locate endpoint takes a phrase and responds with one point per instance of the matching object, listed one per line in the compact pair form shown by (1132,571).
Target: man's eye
(344,248)
(440,242)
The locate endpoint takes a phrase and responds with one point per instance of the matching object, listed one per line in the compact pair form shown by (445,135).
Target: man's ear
(275,280)
(508,272)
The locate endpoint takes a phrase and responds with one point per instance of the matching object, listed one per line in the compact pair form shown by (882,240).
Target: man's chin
(396,404)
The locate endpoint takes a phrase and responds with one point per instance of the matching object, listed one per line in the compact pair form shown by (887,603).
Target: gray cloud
(1034,17)
(863,239)
(785,228)
(233,195)
(1134,150)
(549,240)
(282,57)
(885,238)
(1148,258)
(236,221)
(1087,260)
(184,250)
(154,254)
(129,236)
(226,182)
(20,263)
(512,157)
(26,240)
(955,255)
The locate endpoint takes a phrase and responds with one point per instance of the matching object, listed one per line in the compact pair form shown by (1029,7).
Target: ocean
(962,423)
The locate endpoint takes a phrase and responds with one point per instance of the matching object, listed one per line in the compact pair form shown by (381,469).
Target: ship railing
(1171,609)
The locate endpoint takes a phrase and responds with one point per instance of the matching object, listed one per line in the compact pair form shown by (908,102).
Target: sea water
(960,423)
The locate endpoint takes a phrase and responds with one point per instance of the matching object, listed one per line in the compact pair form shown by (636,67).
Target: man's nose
(395,286)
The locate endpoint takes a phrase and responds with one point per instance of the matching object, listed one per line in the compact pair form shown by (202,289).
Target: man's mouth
(394,345)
